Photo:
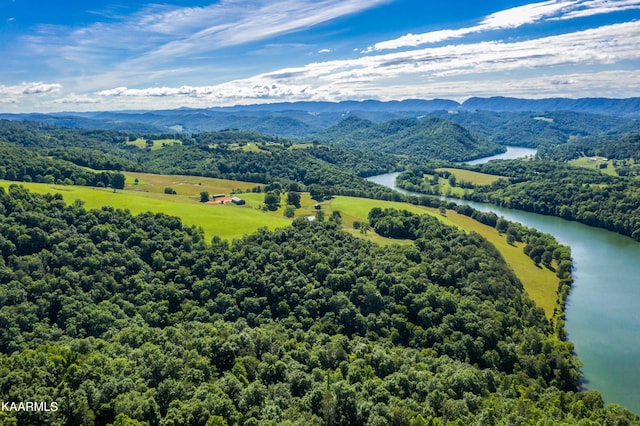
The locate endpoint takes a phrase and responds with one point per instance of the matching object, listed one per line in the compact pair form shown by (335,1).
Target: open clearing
(185,185)
(475,178)
(229,221)
(603,165)
(157,144)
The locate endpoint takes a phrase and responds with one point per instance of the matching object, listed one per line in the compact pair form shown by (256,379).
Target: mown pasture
(603,165)
(470,176)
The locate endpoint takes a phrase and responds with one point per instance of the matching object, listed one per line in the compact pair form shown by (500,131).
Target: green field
(540,283)
(227,221)
(601,164)
(230,221)
(157,144)
(475,178)
(184,185)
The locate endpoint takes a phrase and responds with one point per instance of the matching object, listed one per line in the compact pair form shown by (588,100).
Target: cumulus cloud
(514,18)
(33,88)
(324,51)
(74,99)
(256,88)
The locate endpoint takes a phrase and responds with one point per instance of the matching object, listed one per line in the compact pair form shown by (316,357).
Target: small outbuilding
(317,206)
(238,201)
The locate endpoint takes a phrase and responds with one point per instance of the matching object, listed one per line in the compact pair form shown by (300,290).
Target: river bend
(602,312)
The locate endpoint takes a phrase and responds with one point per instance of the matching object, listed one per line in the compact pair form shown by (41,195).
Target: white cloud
(74,99)
(598,7)
(34,88)
(160,36)
(161,32)
(514,18)
(453,70)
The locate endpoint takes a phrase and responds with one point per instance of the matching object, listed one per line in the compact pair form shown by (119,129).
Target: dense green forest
(537,129)
(625,152)
(24,165)
(423,139)
(572,193)
(553,187)
(214,154)
(125,319)
(132,320)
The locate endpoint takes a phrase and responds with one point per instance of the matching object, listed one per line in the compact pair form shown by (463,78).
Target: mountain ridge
(307,118)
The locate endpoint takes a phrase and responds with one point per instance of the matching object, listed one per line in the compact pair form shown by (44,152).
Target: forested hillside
(303,119)
(550,188)
(571,193)
(540,129)
(20,164)
(621,149)
(221,154)
(422,139)
(136,320)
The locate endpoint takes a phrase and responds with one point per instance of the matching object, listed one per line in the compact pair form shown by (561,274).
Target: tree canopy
(123,319)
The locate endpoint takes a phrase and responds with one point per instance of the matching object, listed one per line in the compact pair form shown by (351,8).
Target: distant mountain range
(307,119)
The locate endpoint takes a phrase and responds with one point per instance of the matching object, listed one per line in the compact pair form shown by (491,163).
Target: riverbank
(601,316)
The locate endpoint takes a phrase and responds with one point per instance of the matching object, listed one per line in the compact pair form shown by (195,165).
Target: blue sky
(119,54)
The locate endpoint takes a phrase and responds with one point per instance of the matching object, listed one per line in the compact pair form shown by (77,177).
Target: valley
(336,287)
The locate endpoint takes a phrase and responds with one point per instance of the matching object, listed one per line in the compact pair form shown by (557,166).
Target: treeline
(277,164)
(624,151)
(540,247)
(362,163)
(550,188)
(540,129)
(95,159)
(625,147)
(125,319)
(24,165)
(338,170)
(572,193)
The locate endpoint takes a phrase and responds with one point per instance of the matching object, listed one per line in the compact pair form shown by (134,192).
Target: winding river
(603,309)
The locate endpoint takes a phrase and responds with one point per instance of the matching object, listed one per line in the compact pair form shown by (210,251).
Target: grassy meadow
(597,163)
(157,144)
(476,178)
(184,185)
(227,221)
(230,221)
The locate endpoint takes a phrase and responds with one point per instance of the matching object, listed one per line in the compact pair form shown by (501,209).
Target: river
(602,315)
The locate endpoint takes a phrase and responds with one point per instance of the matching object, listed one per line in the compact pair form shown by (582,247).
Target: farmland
(475,178)
(229,221)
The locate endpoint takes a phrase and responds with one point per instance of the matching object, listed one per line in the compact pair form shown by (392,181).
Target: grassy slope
(184,185)
(471,176)
(587,163)
(540,283)
(157,144)
(229,221)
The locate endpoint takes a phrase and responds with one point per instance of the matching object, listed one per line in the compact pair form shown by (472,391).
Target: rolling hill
(426,138)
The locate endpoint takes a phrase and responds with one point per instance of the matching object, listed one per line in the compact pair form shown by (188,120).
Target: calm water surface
(512,152)
(602,314)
